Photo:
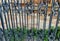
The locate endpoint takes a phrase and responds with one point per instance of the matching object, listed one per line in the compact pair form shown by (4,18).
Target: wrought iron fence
(17,14)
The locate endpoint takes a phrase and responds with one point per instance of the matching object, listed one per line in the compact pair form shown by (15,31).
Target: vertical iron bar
(56,27)
(50,21)
(45,18)
(8,14)
(2,22)
(12,20)
(39,7)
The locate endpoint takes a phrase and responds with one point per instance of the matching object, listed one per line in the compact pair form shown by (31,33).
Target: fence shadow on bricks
(30,18)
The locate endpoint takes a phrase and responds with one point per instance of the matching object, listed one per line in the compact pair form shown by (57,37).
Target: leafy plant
(20,33)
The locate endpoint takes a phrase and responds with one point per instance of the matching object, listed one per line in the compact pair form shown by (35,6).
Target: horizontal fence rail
(23,14)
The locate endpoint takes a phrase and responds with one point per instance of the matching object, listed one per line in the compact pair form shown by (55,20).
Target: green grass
(19,34)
